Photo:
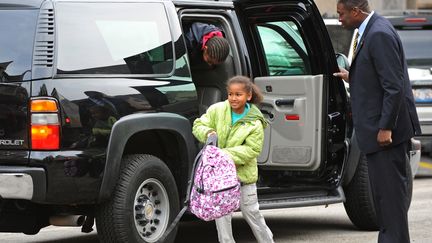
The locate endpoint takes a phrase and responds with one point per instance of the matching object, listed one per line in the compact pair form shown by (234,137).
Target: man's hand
(343,74)
(384,137)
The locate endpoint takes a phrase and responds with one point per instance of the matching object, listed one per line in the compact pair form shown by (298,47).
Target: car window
(114,38)
(16,44)
(340,37)
(284,49)
(417,46)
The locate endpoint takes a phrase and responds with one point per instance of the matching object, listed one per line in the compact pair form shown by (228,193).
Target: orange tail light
(45,125)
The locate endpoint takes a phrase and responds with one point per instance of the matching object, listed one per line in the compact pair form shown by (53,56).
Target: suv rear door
(293,59)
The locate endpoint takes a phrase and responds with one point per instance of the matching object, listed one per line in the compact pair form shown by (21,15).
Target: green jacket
(243,141)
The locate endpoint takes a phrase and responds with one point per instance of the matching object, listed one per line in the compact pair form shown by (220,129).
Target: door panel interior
(293,107)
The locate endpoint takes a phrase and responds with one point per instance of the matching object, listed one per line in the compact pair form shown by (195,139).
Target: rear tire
(144,203)
(359,203)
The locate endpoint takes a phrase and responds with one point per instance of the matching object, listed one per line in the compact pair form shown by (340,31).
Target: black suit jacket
(380,89)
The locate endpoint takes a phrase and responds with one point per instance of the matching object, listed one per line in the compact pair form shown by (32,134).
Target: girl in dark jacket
(207,43)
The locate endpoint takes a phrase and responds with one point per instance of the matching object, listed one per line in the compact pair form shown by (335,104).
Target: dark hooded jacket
(194,36)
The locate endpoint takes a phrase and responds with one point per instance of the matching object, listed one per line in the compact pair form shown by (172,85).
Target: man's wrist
(385,129)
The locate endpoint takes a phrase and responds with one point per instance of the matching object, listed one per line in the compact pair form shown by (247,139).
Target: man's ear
(357,11)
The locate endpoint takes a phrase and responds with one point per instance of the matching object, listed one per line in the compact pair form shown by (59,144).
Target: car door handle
(282,102)
(268,113)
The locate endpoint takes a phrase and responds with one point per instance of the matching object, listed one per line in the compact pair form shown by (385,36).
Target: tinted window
(284,49)
(17,28)
(114,38)
(340,38)
(417,46)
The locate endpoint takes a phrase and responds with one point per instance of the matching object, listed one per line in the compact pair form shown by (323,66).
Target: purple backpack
(216,188)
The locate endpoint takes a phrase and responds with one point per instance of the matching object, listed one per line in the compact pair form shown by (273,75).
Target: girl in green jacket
(239,125)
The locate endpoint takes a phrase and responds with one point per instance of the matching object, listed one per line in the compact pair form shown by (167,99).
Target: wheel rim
(151,210)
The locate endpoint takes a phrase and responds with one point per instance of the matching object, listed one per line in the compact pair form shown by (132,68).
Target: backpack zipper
(226,189)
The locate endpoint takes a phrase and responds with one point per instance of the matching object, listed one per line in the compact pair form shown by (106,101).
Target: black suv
(98,97)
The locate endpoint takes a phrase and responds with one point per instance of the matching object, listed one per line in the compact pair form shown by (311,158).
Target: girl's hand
(211,133)
(212,138)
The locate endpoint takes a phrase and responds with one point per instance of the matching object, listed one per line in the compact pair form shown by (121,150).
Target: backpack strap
(173,224)
(212,140)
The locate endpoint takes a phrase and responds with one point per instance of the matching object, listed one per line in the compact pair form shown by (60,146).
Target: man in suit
(383,112)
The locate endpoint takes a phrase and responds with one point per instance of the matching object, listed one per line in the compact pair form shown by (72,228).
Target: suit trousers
(250,209)
(389,183)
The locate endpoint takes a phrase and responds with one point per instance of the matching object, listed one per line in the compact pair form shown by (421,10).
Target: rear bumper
(26,183)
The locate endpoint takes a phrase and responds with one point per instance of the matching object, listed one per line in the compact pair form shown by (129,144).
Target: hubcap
(151,210)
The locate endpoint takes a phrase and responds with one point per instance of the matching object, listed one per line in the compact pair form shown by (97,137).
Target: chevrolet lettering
(7,142)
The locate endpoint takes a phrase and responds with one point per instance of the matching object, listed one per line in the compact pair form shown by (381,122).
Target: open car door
(292,70)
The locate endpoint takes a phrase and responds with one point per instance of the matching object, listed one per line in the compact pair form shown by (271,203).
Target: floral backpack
(213,190)
(216,188)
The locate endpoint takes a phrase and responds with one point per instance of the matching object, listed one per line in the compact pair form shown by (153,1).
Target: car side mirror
(342,61)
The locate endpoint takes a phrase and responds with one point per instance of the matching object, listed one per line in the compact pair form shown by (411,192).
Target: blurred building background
(328,8)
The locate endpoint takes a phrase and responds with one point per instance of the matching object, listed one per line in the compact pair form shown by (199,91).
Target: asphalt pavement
(318,224)
(425,167)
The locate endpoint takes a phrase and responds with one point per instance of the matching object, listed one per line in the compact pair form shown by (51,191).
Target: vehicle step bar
(336,196)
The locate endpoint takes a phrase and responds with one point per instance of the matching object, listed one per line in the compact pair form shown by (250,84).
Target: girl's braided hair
(257,96)
(218,48)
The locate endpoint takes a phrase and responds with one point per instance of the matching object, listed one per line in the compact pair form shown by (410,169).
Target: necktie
(355,44)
